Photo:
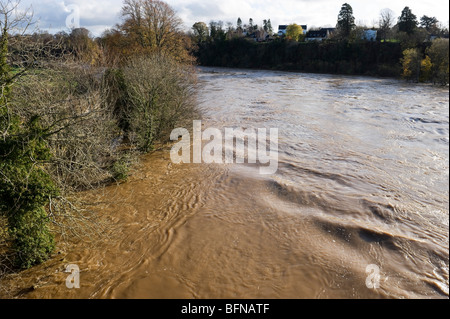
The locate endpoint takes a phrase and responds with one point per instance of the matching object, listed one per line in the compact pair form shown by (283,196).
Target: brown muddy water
(363,180)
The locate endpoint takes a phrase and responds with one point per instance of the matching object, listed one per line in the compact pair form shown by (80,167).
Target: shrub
(411,62)
(33,242)
(70,102)
(439,56)
(154,94)
(25,188)
(425,69)
(121,168)
(60,139)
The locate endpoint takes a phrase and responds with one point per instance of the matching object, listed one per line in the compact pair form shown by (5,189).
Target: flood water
(363,179)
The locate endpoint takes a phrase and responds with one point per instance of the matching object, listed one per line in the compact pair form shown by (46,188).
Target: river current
(358,208)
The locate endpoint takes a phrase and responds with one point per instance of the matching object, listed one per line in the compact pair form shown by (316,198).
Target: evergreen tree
(346,20)
(429,23)
(269,27)
(239,23)
(407,22)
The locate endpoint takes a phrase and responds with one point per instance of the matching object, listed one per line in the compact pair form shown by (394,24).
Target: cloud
(311,12)
(98,15)
(95,15)
(204,10)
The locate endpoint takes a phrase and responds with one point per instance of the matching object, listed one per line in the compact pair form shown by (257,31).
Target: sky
(99,15)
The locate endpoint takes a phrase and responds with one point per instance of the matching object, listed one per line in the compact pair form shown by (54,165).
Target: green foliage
(5,73)
(407,22)
(427,65)
(33,242)
(239,23)
(117,97)
(121,168)
(430,24)
(201,31)
(25,189)
(267,26)
(365,58)
(80,44)
(217,33)
(346,20)
(62,124)
(70,100)
(409,56)
(412,40)
(25,186)
(439,56)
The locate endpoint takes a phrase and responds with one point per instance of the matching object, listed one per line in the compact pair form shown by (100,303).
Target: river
(362,189)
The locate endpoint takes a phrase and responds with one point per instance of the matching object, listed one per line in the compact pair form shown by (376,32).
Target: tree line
(404,46)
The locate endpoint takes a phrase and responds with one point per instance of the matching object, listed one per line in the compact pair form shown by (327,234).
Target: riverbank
(367,58)
(377,59)
(129,228)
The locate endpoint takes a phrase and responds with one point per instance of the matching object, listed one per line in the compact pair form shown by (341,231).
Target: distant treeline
(417,51)
(342,57)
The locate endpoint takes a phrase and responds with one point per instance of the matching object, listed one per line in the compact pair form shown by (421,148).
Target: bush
(62,126)
(33,242)
(70,103)
(439,56)
(121,168)
(152,96)
(60,139)
(25,188)
(411,62)
(425,69)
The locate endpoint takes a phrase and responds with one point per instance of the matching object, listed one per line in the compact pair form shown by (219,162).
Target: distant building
(282,29)
(319,35)
(370,35)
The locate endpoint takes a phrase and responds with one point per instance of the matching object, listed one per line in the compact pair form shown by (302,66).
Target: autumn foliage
(433,66)
(149,26)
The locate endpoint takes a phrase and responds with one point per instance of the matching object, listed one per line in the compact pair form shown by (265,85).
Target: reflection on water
(362,180)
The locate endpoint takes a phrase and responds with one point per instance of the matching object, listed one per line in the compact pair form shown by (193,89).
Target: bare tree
(386,22)
(154,23)
(12,21)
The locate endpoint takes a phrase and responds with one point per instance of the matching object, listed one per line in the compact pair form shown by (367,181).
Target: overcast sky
(98,15)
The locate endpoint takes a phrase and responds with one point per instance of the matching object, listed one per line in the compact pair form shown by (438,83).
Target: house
(282,29)
(370,35)
(319,35)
